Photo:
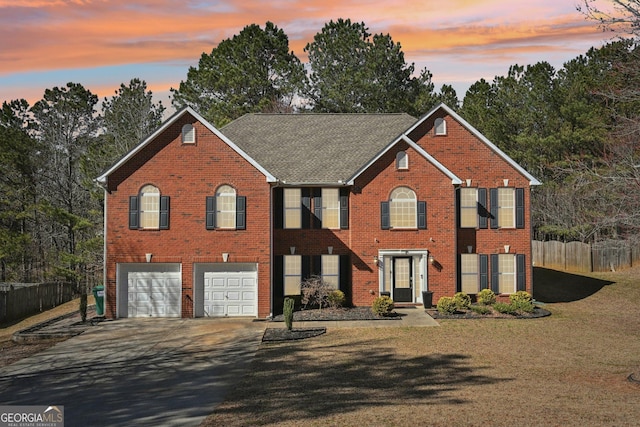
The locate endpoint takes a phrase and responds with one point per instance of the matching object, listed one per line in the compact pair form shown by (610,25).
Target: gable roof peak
(480,136)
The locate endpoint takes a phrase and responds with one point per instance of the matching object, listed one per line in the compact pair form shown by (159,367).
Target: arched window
(149,207)
(226,210)
(440,126)
(188,134)
(225,207)
(402,160)
(148,210)
(402,208)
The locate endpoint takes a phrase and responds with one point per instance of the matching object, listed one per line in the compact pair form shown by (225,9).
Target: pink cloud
(84,34)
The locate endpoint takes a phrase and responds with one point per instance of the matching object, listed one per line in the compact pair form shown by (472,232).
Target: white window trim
(415,209)
(336,208)
(469,208)
(219,206)
(402,160)
(188,134)
(337,273)
(514,274)
(512,207)
(475,274)
(298,208)
(148,213)
(298,275)
(440,126)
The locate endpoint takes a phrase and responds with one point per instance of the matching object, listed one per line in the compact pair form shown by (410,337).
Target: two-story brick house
(202,221)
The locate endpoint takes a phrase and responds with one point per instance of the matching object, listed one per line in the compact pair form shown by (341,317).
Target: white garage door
(154,294)
(230,293)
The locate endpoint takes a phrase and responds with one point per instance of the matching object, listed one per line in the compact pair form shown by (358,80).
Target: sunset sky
(102,43)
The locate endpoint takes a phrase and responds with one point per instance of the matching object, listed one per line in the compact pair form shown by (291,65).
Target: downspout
(271,258)
(104,245)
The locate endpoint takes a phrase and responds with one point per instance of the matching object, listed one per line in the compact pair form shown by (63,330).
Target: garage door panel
(217,283)
(233,283)
(230,293)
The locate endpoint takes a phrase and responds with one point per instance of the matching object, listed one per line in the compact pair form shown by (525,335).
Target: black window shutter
(483,213)
(210,213)
(483,267)
(317,212)
(306,267)
(519,207)
(278,208)
(458,207)
(493,203)
(316,267)
(521,273)
(459,274)
(278,283)
(494,273)
(422,215)
(306,207)
(385,219)
(134,213)
(164,213)
(241,212)
(345,274)
(344,208)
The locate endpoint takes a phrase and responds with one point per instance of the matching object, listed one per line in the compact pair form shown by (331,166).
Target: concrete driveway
(155,372)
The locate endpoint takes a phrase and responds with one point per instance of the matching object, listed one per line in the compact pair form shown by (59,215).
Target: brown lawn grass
(569,369)
(11,351)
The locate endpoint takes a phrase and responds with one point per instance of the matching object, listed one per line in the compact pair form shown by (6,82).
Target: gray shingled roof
(315,148)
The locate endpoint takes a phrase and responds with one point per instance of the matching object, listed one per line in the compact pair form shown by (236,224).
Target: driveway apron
(155,372)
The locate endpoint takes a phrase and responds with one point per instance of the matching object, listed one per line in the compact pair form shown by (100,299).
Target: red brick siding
(187,174)
(469,158)
(375,186)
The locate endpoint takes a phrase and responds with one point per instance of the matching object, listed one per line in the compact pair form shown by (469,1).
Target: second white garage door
(230,293)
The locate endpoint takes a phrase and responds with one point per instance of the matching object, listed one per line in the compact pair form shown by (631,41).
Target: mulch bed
(329,314)
(283,334)
(468,314)
(326,314)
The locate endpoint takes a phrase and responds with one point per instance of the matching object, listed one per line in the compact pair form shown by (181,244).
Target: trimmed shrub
(462,301)
(486,297)
(522,301)
(382,306)
(446,305)
(336,299)
(481,309)
(288,312)
(504,308)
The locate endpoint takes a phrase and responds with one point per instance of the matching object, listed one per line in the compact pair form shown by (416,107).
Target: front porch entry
(403,274)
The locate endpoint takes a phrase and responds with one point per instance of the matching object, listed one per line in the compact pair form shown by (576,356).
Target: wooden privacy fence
(21,300)
(585,257)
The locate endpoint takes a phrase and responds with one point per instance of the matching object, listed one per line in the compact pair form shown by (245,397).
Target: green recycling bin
(98,294)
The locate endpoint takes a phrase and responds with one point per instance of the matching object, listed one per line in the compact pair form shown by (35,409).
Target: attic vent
(440,126)
(188,134)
